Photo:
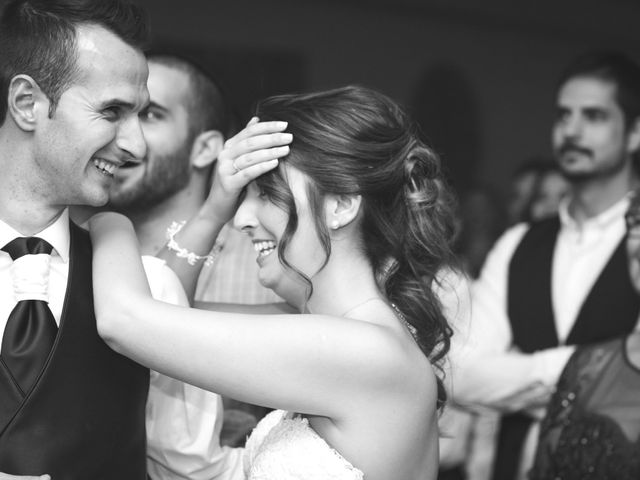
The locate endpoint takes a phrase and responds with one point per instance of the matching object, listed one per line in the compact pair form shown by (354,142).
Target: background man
(73,80)
(559,282)
(185,126)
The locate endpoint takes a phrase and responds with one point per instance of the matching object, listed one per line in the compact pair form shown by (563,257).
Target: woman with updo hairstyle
(352,224)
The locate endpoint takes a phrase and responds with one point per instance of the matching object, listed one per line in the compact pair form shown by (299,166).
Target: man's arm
(487,371)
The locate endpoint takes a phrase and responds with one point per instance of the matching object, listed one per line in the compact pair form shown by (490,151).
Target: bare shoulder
(392,361)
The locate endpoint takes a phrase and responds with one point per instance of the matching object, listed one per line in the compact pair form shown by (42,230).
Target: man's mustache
(569,147)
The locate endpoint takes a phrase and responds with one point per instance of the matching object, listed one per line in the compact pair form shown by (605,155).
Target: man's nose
(572,126)
(130,138)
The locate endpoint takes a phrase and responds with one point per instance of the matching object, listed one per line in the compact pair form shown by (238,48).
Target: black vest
(610,309)
(85,417)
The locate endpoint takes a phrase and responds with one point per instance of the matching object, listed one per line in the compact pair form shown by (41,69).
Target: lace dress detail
(592,427)
(284,447)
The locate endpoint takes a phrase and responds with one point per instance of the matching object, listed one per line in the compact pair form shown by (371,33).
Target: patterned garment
(285,447)
(592,427)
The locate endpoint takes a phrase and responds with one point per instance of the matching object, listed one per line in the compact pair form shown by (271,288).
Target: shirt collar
(57,234)
(613,214)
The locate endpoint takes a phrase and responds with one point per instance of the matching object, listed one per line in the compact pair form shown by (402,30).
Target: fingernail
(282,124)
(287,137)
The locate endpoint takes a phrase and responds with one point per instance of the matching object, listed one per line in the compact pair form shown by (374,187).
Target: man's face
(589,135)
(95,128)
(166,168)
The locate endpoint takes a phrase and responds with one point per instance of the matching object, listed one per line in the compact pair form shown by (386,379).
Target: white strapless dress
(285,447)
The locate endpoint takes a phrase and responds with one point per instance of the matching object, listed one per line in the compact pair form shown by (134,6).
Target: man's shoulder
(163,282)
(511,237)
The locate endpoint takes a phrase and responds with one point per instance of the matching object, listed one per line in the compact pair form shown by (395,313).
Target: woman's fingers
(258,142)
(255,129)
(259,156)
(252,172)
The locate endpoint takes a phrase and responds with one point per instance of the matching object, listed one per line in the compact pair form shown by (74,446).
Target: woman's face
(265,223)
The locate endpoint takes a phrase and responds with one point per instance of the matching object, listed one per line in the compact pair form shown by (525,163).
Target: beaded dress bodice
(592,427)
(285,447)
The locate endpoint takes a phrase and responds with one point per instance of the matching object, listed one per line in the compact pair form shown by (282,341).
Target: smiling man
(73,81)
(553,284)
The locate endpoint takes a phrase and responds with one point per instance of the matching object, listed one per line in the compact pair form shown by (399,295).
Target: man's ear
(206,148)
(633,136)
(341,210)
(25,101)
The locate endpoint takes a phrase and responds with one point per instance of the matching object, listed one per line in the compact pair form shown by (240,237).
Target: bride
(351,226)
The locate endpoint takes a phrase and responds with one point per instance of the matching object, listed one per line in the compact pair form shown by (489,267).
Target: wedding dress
(285,447)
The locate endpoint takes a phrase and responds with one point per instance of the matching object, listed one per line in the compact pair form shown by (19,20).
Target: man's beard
(163,177)
(584,176)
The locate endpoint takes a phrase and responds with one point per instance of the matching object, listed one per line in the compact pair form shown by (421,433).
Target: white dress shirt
(488,368)
(183,422)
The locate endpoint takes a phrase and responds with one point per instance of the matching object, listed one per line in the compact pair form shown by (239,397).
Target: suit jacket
(85,416)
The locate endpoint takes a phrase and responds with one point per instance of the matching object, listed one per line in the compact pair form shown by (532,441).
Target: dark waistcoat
(85,417)
(610,309)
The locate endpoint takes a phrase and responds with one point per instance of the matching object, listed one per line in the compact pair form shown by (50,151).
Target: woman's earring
(335,225)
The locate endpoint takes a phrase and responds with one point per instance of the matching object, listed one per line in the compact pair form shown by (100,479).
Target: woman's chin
(268,282)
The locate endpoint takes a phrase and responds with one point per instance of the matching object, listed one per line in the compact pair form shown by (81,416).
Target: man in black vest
(561,282)
(72,81)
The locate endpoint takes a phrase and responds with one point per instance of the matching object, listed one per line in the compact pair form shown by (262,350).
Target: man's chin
(577,176)
(122,201)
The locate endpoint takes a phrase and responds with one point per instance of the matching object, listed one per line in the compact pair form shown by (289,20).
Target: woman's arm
(262,308)
(313,364)
(252,152)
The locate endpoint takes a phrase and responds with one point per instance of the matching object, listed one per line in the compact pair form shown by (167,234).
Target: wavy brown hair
(356,141)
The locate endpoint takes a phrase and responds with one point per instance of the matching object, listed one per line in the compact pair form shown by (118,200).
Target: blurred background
(478,76)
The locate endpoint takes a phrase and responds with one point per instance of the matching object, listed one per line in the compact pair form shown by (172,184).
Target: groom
(72,82)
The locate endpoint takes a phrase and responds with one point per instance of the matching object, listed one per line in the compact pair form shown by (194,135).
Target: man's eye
(112,113)
(149,115)
(562,115)
(596,116)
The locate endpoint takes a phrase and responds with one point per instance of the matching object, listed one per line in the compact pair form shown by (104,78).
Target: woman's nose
(245,219)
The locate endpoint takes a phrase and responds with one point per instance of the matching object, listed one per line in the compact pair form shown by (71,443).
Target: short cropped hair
(39,38)
(613,67)
(209,108)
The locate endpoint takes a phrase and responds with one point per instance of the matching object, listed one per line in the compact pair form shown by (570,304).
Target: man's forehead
(588,92)
(110,70)
(167,79)
(86,38)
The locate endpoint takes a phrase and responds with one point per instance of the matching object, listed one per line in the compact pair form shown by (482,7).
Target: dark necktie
(31,328)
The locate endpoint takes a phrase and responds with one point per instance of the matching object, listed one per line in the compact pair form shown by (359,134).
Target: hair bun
(421,170)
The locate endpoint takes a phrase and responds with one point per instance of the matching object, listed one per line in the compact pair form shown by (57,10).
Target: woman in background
(351,227)
(592,426)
